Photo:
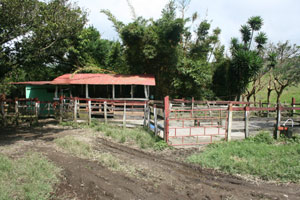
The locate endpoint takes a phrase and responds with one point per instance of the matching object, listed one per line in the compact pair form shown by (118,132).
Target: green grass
(29,177)
(74,146)
(139,136)
(259,156)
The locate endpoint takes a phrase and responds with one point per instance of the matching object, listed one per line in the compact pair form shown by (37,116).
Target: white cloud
(280,16)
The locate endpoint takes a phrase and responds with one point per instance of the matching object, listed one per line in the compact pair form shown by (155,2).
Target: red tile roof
(97,79)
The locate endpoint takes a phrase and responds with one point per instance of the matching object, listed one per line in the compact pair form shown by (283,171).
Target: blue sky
(281,17)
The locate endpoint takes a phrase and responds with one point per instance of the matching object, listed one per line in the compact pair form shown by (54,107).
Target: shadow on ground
(45,130)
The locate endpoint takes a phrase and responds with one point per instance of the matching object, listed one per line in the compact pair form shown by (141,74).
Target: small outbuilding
(98,86)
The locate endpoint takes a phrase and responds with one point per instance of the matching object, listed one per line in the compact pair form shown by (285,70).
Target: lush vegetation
(29,177)
(42,40)
(260,156)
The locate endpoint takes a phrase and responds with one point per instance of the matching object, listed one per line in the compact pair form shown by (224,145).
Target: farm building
(101,86)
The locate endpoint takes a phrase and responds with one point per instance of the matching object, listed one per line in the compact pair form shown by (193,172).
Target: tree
(286,66)
(245,63)
(165,48)
(35,37)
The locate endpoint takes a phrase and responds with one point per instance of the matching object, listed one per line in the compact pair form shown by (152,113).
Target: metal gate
(194,124)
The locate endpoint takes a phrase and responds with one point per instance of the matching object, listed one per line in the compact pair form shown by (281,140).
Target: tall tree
(286,66)
(166,48)
(245,62)
(35,36)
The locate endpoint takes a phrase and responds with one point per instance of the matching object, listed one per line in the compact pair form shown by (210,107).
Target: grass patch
(84,150)
(259,156)
(30,177)
(140,136)
(74,146)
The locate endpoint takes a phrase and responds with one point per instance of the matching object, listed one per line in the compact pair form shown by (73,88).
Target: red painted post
(167,113)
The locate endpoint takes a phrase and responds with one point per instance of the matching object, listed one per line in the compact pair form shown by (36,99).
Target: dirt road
(157,175)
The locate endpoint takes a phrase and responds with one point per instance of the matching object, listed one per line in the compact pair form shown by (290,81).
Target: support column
(131,92)
(87,91)
(56,92)
(113,91)
(146,92)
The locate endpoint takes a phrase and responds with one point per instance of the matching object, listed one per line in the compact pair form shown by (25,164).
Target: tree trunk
(269,94)
(279,95)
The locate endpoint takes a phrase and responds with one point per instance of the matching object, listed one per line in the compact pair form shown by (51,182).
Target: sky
(281,17)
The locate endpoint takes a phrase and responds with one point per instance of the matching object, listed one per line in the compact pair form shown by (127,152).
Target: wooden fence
(178,121)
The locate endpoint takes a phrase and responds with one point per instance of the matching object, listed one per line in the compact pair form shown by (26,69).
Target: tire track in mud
(208,180)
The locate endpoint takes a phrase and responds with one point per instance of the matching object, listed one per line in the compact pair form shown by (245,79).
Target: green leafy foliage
(165,47)
(35,36)
(245,64)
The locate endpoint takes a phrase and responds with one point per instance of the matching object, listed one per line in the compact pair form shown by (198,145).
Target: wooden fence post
(193,104)
(17,111)
(48,108)
(260,105)
(37,106)
(145,114)
(124,116)
(229,123)
(247,112)
(278,119)
(75,110)
(16,106)
(61,106)
(155,120)
(166,116)
(148,116)
(105,112)
(3,112)
(293,105)
(89,112)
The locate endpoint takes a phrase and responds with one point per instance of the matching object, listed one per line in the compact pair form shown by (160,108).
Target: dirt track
(159,175)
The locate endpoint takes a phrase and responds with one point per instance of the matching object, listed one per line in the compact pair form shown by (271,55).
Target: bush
(161,145)
(263,137)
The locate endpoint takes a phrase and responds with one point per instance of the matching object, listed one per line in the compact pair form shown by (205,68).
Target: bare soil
(158,175)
